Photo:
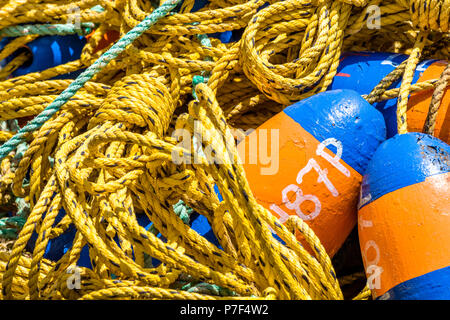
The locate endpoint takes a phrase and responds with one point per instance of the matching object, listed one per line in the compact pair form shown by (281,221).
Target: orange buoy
(404,219)
(309,159)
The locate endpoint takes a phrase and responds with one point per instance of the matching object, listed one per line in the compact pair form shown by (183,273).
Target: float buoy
(404,219)
(51,51)
(319,150)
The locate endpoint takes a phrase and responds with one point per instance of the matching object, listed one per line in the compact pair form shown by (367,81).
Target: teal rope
(11,226)
(204,40)
(181,210)
(84,77)
(99,8)
(48,29)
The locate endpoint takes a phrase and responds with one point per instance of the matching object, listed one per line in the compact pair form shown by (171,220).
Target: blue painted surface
(55,247)
(50,51)
(85,261)
(401,161)
(345,116)
(216,190)
(362,71)
(200,224)
(434,285)
(198,4)
(224,37)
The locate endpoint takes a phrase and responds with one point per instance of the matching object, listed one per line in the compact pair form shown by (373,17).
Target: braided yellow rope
(109,155)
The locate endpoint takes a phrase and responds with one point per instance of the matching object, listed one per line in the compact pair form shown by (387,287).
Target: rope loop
(313,66)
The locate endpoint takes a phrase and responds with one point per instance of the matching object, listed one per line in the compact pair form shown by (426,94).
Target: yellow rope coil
(112,153)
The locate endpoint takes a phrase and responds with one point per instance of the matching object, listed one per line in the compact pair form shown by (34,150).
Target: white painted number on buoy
(335,161)
(373,270)
(322,178)
(299,199)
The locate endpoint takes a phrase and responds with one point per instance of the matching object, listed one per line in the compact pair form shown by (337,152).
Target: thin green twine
(11,226)
(81,80)
(204,40)
(48,29)
(184,212)
(81,29)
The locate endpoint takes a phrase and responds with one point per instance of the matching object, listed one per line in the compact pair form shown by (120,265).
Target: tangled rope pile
(104,147)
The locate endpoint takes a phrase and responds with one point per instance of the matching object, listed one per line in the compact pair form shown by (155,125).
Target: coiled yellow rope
(114,152)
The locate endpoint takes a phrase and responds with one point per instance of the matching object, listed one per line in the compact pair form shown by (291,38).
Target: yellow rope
(413,60)
(110,154)
(14,65)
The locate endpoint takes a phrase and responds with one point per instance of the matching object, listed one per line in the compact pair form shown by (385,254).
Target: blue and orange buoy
(404,219)
(320,148)
(362,71)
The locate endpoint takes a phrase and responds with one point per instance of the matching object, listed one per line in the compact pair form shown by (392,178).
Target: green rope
(8,234)
(87,75)
(11,226)
(207,288)
(184,212)
(204,41)
(98,8)
(181,210)
(48,29)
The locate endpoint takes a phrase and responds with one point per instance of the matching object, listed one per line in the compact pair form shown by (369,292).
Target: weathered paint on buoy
(404,219)
(362,71)
(322,145)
